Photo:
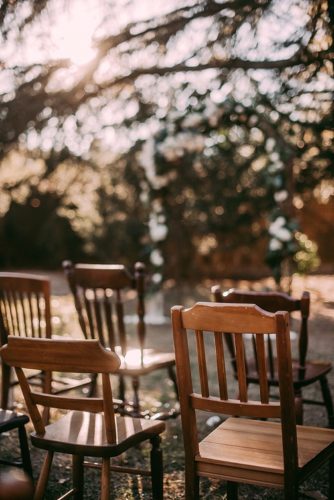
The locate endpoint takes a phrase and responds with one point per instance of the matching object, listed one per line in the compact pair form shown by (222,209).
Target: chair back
(210,321)
(24,306)
(67,356)
(272,302)
(99,293)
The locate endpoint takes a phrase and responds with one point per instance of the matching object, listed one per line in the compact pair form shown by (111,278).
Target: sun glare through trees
(135,124)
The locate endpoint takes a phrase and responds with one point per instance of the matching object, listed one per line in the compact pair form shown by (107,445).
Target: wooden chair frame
(222,456)
(305,372)
(90,428)
(9,421)
(25,311)
(98,293)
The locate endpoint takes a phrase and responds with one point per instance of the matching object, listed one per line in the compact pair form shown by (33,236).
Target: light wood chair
(90,428)
(304,372)
(25,311)
(243,450)
(100,296)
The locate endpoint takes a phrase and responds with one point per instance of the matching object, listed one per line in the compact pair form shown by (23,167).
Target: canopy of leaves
(196,110)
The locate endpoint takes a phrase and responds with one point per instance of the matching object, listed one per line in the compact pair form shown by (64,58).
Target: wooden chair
(99,293)
(243,450)
(15,485)
(304,372)
(10,420)
(25,312)
(90,428)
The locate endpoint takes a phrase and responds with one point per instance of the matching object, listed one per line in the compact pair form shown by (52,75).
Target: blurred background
(196,136)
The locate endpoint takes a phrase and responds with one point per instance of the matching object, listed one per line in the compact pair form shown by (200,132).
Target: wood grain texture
(84,433)
(305,372)
(25,312)
(57,355)
(227,319)
(258,445)
(80,432)
(100,294)
(244,450)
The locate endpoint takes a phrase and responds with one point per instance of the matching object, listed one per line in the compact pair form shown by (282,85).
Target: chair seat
(131,364)
(313,371)
(83,433)
(252,452)
(10,420)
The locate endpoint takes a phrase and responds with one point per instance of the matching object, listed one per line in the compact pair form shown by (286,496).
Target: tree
(232,100)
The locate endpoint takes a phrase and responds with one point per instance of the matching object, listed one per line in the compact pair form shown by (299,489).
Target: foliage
(306,257)
(189,127)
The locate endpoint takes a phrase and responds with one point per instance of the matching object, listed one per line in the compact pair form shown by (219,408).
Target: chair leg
(43,476)
(93,386)
(78,476)
(299,407)
(327,397)
(136,404)
(105,479)
(192,482)
(121,388)
(331,479)
(291,490)
(47,388)
(5,385)
(156,469)
(232,490)
(25,453)
(172,376)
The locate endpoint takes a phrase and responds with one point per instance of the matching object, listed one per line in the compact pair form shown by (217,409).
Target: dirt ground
(157,393)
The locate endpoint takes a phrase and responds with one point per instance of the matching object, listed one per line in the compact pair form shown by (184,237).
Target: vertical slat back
(16,317)
(24,306)
(242,319)
(271,359)
(120,321)
(99,292)
(272,302)
(108,309)
(31,314)
(303,336)
(261,365)
(203,372)
(9,313)
(97,315)
(87,313)
(39,315)
(241,368)
(3,318)
(213,319)
(140,286)
(220,363)
(221,369)
(254,350)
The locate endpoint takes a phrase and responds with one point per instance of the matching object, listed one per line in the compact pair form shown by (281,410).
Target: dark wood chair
(100,293)
(304,372)
(90,427)
(9,421)
(15,485)
(25,311)
(246,449)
